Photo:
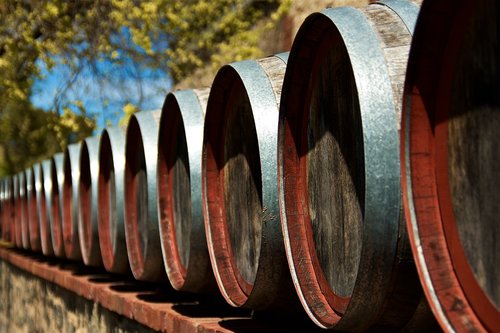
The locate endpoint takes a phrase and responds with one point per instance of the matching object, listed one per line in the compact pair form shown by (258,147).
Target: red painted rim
(169,128)
(103,189)
(85,204)
(34,230)
(135,252)
(326,307)
(482,305)
(233,286)
(67,221)
(461,300)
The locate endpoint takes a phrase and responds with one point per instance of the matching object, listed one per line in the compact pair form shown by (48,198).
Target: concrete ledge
(148,304)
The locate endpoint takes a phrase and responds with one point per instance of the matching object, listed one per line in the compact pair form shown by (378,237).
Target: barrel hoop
(406,10)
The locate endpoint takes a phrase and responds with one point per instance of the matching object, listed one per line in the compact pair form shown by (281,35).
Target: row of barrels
(334,176)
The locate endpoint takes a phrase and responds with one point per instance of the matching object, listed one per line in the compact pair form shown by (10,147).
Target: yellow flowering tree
(174,36)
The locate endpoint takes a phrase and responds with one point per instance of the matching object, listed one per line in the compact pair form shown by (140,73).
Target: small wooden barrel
(33,218)
(55,204)
(71,240)
(43,188)
(182,230)
(18,208)
(2,208)
(239,174)
(111,202)
(450,161)
(12,210)
(88,231)
(23,195)
(141,216)
(340,189)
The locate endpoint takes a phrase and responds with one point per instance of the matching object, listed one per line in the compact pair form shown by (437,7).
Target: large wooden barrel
(450,161)
(88,231)
(239,174)
(23,196)
(111,200)
(33,217)
(70,202)
(339,171)
(179,197)
(55,204)
(141,215)
(43,188)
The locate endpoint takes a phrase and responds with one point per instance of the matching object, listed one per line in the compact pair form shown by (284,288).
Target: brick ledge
(147,304)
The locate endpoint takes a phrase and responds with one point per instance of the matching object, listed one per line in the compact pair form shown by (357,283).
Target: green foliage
(174,36)
(28,135)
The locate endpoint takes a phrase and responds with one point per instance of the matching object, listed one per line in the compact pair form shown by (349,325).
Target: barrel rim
(87,199)
(112,144)
(363,55)
(71,167)
(34,220)
(446,276)
(171,122)
(45,188)
(265,289)
(146,263)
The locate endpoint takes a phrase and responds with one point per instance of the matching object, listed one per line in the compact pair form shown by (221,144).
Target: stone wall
(31,304)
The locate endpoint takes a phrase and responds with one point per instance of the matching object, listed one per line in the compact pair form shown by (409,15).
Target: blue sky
(104,100)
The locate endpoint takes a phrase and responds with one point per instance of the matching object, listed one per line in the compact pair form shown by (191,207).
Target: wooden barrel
(33,218)
(239,175)
(18,208)
(88,231)
(12,210)
(71,239)
(339,171)
(23,196)
(450,156)
(111,200)
(2,208)
(55,204)
(182,229)
(8,211)
(43,188)
(141,215)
